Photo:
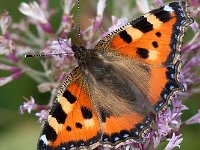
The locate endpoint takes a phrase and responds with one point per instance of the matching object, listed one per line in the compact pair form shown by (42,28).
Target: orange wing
(72,122)
(154,38)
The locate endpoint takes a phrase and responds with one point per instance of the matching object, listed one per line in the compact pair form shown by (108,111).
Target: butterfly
(117,88)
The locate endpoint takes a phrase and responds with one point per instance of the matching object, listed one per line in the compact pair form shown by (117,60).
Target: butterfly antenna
(79,22)
(49,55)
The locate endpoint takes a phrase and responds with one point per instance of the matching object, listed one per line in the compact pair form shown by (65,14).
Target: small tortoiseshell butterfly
(131,73)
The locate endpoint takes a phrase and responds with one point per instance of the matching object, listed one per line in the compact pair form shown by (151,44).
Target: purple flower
(16,73)
(143,6)
(29,105)
(194,119)
(174,142)
(12,57)
(116,23)
(46,87)
(156,140)
(60,46)
(34,11)
(194,2)
(68,5)
(63,51)
(163,122)
(5,21)
(101,5)
(178,107)
(43,114)
(159,2)
(195,6)
(7,46)
(5,80)
(67,22)
(7,68)
(44,3)
(195,26)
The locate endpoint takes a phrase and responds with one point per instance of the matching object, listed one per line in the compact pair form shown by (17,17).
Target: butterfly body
(131,73)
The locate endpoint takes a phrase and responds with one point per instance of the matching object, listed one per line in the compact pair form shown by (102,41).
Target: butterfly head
(83,55)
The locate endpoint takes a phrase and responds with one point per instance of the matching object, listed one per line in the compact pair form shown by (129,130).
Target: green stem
(37,76)
(33,38)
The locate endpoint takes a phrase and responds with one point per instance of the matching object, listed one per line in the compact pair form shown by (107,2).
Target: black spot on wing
(158,34)
(68,128)
(86,113)
(125,36)
(155,44)
(143,25)
(143,53)
(49,132)
(162,15)
(78,125)
(59,114)
(68,95)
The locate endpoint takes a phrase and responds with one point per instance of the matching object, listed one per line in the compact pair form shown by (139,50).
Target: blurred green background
(20,132)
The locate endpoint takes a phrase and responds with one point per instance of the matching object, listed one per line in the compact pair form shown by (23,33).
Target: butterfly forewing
(154,38)
(72,122)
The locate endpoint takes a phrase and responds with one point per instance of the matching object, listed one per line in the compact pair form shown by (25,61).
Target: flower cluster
(17,39)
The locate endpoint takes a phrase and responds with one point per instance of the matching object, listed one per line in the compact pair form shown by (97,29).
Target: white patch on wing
(89,123)
(153,54)
(66,106)
(44,139)
(167,8)
(154,21)
(54,124)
